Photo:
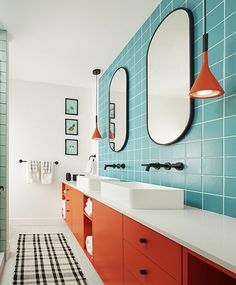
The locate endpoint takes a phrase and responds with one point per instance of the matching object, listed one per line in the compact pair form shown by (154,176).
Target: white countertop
(208,234)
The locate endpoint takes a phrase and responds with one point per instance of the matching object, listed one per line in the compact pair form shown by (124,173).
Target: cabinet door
(108,244)
(68,205)
(77,219)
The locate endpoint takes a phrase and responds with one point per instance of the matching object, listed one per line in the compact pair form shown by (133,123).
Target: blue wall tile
(230,186)
(213,111)
(213,129)
(230,207)
(230,44)
(230,7)
(230,124)
(208,149)
(193,199)
(212,166)
(212,148)
(230,24)
(230,166)
(213,185)
(213,203)
(230,86)
(194,182)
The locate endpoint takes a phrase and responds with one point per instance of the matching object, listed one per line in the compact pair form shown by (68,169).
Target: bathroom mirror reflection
(118,110)
(169,78)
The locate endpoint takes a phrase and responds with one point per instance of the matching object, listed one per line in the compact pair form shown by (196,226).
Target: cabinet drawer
(146,271)
(161,250)
(129,279)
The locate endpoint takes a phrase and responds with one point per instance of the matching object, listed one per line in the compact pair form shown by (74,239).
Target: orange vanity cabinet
(126,252)
(108,243)
(77,215)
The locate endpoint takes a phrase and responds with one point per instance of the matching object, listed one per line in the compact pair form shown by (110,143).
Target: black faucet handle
(167,165)
(178,165)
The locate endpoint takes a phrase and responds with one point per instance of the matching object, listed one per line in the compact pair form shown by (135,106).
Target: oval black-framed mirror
(118,110)
(170,76)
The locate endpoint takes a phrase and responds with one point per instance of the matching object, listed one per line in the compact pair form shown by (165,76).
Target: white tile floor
(15,230)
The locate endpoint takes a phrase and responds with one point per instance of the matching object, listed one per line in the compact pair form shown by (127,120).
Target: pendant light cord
(205,35)
(204,5)
(96,94)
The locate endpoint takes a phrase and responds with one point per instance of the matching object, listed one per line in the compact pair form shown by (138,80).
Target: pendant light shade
(206,85)
(96,134)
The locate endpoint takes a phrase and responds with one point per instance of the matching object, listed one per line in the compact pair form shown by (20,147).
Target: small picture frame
(113,129)
(71,106)
(112,111)
(71,147)
(71,127)
(112,145)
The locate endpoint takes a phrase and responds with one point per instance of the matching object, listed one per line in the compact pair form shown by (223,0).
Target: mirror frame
(191,71)
(127,107)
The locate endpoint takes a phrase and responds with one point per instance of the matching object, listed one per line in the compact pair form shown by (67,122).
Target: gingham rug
(46,259)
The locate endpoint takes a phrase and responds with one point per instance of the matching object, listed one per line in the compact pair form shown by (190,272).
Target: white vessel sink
(142,195)
(92,182)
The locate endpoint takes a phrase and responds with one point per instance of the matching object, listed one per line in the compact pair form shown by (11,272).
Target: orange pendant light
(206,85)
(96,135)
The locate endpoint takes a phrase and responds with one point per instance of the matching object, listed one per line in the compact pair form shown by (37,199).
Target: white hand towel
(88,168)
(46,172)
(33,171)
(88,211)
(94,167)
(91,166)
(89,203)
(89,244)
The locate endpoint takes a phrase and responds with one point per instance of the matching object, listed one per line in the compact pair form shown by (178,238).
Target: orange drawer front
(146,271)
(129,279)
(161,250)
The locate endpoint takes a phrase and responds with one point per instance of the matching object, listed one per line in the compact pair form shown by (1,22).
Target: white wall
(36,131)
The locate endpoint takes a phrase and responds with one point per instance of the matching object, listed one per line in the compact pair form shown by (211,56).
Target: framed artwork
(112,111)
(113,129)
(71,147)
(71,106)
(112,145)
(71,127)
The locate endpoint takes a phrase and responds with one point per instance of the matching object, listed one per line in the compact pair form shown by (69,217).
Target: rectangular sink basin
(92,182)
(138,195)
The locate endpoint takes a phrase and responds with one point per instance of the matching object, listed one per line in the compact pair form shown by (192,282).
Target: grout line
(223,140)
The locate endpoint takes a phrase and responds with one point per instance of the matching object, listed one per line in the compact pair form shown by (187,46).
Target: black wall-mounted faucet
(118,166)
(166,165)
(152,165)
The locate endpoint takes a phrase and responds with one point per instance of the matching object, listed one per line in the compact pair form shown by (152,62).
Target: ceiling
(62,41)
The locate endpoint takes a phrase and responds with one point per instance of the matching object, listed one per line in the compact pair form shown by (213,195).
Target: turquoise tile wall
(209,148)
(3,135)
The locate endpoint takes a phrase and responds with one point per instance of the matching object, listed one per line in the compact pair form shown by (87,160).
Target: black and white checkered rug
(46,259)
